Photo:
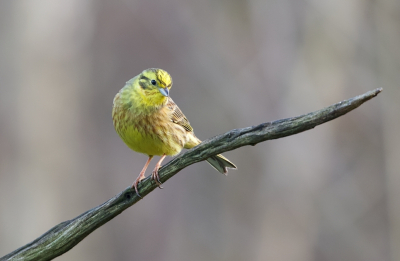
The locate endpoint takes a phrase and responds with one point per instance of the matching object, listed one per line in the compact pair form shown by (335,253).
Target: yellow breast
(149,134)
(139,140)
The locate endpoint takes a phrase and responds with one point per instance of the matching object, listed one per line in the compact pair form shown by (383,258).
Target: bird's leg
(141,176)
(154,174)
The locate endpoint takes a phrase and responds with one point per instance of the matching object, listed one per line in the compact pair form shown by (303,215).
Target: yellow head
(146,92)
(153,86)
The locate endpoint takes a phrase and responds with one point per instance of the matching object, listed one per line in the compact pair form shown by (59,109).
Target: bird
(149,122)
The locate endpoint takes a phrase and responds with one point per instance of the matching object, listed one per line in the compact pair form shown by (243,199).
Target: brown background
(331,193)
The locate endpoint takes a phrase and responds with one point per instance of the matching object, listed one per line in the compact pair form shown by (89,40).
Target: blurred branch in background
(66,235)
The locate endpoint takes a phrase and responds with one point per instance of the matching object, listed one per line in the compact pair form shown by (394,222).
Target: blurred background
(331,193)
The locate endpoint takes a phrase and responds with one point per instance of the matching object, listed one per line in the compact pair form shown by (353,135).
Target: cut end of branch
(377,91)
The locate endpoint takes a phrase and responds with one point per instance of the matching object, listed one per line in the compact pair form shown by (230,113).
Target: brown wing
(177,116)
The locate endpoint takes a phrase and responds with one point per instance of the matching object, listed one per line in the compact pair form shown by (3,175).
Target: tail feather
(221,164)
(218,162)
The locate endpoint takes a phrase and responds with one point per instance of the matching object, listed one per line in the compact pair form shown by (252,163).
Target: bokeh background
(331,193)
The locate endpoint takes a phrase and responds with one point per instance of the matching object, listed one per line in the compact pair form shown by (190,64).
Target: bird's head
(154,85)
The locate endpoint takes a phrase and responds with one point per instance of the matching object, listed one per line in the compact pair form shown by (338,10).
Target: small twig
(66,235)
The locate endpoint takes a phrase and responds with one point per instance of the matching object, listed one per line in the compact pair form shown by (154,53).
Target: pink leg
(154,174)
(141,176)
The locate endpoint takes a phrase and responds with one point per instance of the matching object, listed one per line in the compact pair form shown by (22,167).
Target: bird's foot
(136,183)
(156,178)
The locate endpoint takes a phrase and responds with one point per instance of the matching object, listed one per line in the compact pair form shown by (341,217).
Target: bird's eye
(153,82)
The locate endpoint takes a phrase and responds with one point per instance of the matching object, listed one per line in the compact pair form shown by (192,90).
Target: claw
(156,178)
(140,177)
(135,185)
(154,174)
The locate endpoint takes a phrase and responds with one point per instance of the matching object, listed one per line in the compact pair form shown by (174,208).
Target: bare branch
(66,235)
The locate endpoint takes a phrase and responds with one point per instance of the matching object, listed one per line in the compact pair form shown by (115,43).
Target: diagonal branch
(66,235)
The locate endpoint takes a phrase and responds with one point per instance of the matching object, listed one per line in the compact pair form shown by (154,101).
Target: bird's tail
(221,163)
(218,162)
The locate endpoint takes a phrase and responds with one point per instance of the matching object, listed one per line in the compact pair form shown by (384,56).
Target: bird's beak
(164,91)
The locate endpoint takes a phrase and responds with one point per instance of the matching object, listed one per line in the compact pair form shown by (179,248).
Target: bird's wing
(177,116)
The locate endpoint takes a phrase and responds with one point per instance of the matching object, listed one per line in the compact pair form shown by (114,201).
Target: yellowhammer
(149,122)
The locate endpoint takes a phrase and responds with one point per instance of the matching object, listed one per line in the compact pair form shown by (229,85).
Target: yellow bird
(149,122)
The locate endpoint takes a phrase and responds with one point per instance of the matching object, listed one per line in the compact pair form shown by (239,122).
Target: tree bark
(66,235)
